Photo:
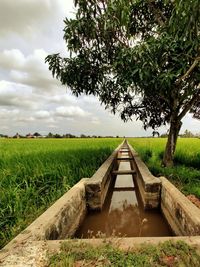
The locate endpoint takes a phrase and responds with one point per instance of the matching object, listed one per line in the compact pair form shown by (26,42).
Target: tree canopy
(139,57)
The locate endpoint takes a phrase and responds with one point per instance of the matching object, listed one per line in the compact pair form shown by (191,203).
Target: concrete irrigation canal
(122,202)
(123,212)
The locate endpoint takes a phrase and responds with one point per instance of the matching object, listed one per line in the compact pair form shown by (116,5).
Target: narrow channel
(123,213)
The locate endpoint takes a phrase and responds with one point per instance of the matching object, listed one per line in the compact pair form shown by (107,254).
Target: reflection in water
(124,181)
(123,215)
(123,199)
(124,165)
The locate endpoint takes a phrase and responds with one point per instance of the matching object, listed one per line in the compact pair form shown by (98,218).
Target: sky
(30,99)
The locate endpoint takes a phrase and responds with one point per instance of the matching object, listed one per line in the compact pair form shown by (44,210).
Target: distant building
(30,136)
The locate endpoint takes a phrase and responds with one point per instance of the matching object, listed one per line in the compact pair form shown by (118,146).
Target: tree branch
(158,14)
(194,64)
(188,106)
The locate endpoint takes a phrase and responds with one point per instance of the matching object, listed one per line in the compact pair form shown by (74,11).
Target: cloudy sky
(30,99)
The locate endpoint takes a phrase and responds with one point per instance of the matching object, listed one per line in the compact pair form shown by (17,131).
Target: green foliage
(166,254)
(146,154)
(141,58)
(34,173)
(138,57)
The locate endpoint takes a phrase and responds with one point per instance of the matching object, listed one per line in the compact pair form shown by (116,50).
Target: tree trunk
(168,157)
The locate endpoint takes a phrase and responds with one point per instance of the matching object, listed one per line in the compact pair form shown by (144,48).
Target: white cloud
(4,127)
(71,111)
(23,17)
(53,126)
(90,99)
(8,114)
(16,95)
(29,70)
(42,114)
(23,118)
(64,99)
(12,59)
(95,120)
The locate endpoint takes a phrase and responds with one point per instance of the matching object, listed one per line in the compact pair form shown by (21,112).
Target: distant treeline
(56,135)
(186,134)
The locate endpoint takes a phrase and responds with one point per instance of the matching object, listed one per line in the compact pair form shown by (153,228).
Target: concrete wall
(149,186)
(97,186)
(60,220)
(182,215)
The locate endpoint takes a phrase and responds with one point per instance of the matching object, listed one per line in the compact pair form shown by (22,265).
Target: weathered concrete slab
(30,254)
(182,215)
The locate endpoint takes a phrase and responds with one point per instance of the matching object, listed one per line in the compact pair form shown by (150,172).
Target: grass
(34,173)
(186,172)
(177,254)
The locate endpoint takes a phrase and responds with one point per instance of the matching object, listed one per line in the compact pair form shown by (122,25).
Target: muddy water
(123,215)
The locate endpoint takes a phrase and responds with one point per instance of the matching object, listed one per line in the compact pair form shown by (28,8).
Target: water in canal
(123,213)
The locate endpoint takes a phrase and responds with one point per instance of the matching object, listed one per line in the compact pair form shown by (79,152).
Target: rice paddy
(186,172)
(36,172)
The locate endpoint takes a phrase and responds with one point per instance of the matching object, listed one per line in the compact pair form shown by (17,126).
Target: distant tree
(188,134)
(57,136)
(164,135)
(36,134)
(3,135)
(83,136)
(140,58)
(49,135)
(68,135)
(154,133)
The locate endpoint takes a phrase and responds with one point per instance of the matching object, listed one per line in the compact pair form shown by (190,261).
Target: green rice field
(36,172)
(186,172)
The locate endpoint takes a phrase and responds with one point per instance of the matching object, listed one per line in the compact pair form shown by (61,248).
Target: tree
(139,57)
(36,134)
(50,135)
(188,134)
(57,136)
(154,133)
